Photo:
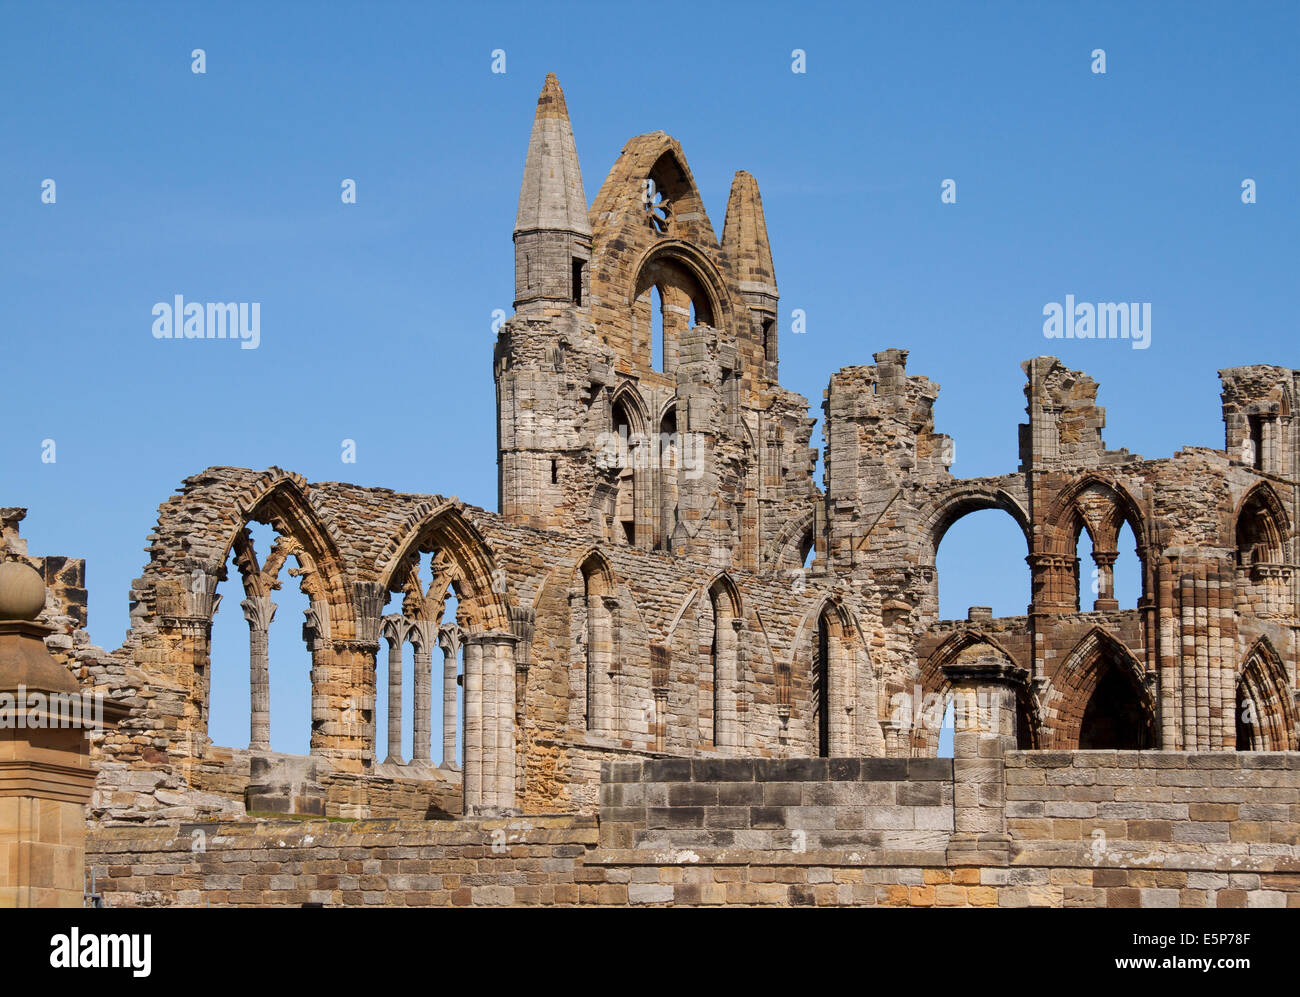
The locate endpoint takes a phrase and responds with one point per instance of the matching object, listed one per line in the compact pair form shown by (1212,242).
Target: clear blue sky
(376,316)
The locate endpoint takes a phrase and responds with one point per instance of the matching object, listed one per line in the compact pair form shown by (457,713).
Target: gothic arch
(628,395)
(678,260)
(1059,523)
(721,585)
(1100,657)
(842,710)
(1102,507)
(283,503)
(965,644)
(1261,527)
(479,584)
(1269,722)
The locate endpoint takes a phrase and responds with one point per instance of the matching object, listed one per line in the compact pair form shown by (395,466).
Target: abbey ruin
(676,660)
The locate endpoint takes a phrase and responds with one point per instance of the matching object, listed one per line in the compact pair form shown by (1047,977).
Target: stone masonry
(667,596)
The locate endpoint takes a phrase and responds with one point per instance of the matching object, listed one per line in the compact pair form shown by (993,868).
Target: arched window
(719,721)
(268,623)
(1104,702)
(1266,712)
(670,299)
(601,651)
(625,495)
(1115,716)
(832,667)
(421,604)
(1262,536)
(669,451)
(656,329)
(981,562)
(821,687)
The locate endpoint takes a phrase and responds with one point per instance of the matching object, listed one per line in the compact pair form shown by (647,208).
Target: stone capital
(986,673)
(259,611)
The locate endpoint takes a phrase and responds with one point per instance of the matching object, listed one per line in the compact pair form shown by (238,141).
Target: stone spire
(552,233)
(551,195)
(744,240)
(744,237)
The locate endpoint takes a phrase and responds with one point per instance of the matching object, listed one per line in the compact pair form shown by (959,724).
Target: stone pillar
(1105,562)
(984,729)
(501,648)
(394,631)
(316,635)
(473,779)
(259,611)
(489,722)
(449,639)
(45,773)
(422,638)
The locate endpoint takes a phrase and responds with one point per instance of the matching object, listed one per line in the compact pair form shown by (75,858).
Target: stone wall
(889,805)
(1100,828)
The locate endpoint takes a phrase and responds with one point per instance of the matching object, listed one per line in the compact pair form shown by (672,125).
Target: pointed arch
(1265,702)
(282,501)
(481,586)
(1103,507)
(720,671)
(1102,697)
(638,412)
(722,585)
(594,627)
(1261,527)
(1117,507)
(829,659)
(926,720)
(683,275)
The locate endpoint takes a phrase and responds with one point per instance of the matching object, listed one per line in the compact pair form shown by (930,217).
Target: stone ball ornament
(22,591)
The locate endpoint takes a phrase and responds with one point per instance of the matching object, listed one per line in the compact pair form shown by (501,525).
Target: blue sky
(376,316)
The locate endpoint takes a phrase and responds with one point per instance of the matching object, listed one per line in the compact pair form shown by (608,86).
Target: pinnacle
(550,102)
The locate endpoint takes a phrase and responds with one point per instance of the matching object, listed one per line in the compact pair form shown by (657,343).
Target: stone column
(473,778)
(316,635)
(1105,562)
(449,639)
(501,647)
(422,637)
(984,729)
(489,722)
(45,774)
(259,611)
(395,631)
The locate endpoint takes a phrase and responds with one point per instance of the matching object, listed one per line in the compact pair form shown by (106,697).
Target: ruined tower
(636,382)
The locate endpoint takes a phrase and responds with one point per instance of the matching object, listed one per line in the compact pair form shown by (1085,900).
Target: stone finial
(22,591)
(24,660)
